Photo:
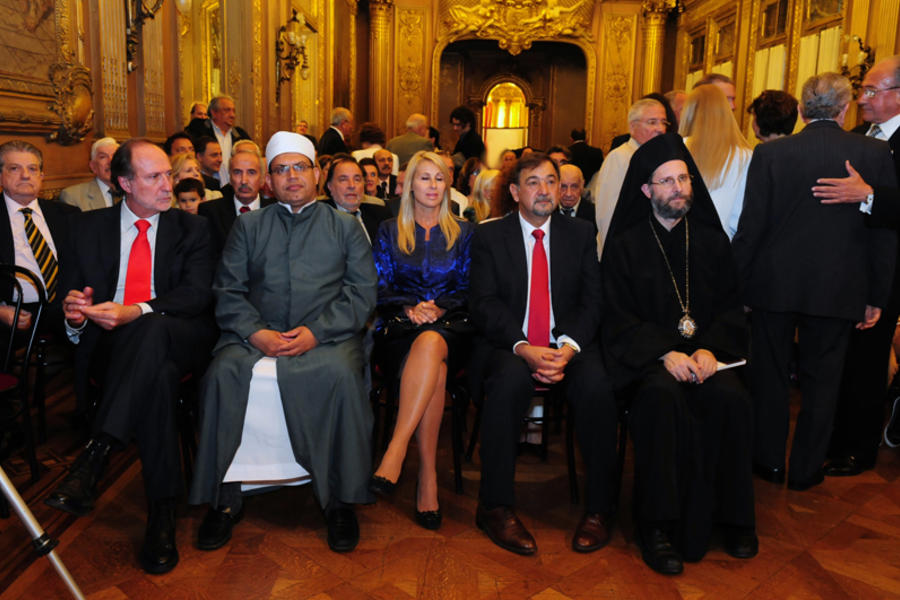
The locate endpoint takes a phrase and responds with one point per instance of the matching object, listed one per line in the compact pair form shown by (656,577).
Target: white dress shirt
(225,142)
(24,253)
(106,191)
(252,206)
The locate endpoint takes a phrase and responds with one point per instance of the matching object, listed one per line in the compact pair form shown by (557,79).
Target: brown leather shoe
(592,533)
(505,529)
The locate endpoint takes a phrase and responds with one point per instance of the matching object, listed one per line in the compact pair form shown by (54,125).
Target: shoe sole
(895,414)
(72,510)
(513,549)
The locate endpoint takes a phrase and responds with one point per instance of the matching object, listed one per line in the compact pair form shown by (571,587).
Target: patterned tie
(539,296)
(42,254)
(874,131)
(137,277)
(244,209)
(569,212)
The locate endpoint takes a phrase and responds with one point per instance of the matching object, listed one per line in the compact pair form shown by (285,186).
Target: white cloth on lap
(265,457)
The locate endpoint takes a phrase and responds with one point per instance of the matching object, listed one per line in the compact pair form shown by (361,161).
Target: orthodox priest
(294,289)
(673,316)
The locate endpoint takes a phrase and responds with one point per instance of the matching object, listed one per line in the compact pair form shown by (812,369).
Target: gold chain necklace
(687,327)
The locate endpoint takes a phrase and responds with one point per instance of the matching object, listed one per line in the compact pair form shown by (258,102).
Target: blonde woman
(719,149)
(484,194)
(422,257)
(186,166)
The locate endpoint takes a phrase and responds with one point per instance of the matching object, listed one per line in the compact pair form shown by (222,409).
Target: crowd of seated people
(264,273)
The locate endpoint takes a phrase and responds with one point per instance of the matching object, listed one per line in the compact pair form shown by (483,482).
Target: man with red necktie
(535,297)
(137,303)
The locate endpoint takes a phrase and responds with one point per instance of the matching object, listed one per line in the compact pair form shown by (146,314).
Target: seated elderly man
(673,313)
(284,397)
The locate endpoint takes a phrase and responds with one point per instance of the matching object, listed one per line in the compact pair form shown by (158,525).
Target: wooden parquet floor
(838,540)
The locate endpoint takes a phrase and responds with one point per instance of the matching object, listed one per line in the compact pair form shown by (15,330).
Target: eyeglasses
(654,122)
(668,182)
(869,92)
(298,168)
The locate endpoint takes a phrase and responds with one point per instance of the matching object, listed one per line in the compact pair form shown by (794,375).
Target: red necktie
(137,277)
(244,209)
(539,297)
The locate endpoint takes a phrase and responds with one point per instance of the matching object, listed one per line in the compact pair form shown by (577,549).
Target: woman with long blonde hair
(422,258)
(487,184)
(720,150)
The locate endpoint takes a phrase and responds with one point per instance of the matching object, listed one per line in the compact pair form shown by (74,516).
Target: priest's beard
(663,204)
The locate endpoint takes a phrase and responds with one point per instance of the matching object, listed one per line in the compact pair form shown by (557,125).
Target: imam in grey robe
(281,270)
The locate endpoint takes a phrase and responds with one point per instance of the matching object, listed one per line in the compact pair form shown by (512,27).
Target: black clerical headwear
(634,207)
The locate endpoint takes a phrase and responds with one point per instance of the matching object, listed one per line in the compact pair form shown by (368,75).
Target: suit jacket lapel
(558,254)
(110,247)
(518,261)
(166,238)
(9,248)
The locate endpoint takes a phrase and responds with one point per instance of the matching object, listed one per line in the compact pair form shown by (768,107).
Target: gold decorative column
(380,18)
(654,14)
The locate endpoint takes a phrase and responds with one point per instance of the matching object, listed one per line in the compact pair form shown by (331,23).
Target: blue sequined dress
(430,272)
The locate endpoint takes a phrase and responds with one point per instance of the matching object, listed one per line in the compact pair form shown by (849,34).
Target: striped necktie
(42,254)
(874,131)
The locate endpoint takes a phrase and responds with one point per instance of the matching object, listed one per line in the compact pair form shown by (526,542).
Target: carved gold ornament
(515,24)
(74,102)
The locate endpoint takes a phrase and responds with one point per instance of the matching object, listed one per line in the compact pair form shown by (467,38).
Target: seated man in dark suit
(540,317)
(344,184)
(138,299)
(572,202)
(241,196)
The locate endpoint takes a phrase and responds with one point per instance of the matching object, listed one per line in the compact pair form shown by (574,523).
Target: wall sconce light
(864,61)
(136,12)
(290,51)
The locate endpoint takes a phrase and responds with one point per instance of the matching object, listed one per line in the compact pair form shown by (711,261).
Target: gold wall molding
(380,64)
(73,102)
(256,75)
(654,13)
(114,71)
(620,40)
(154,84)
(516,24)
(411,58)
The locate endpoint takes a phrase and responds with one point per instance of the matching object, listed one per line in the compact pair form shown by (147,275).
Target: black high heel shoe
(382,486)
(429,519)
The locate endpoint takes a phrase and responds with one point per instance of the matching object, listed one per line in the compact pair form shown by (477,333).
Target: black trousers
(822,345)
(692,454)
(138,368)
(509,389)
(860,410)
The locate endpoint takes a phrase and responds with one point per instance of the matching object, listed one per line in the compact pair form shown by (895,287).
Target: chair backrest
(14,273)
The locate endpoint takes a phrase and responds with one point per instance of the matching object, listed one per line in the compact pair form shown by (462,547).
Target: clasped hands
(547,364)
(696,368)
(79,306)
(424,312)
(284,343)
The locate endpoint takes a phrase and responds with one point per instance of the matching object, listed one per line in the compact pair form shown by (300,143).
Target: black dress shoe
(429,519)
(505,529)
(343,529)
(801,485)
(77,491)
(159,554)
(382,487)
(770,474)
(740,542)
(592,533)
(658,552)
(215,530)
(847,466)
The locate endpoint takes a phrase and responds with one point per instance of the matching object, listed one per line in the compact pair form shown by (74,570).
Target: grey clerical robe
(280,270)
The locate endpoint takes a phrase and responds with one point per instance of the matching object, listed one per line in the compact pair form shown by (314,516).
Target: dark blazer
(211,183)
(389,190)
(332,143)
(498,290)
(221,215)
(587,158)
(795,254)
(586,211)
(197,128)
(57,216)
(372,216)
(886,206)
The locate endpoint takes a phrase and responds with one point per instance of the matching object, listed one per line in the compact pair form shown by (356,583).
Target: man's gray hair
(107,141)
(214,103)
(416,120)
(825,95)
(638,108)
(20,146)
(895,77)
(340,114)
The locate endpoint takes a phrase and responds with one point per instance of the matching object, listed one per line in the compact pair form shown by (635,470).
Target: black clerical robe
(692,442)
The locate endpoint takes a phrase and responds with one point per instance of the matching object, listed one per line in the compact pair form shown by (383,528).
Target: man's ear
(646,189)
(125,184)
(514,192)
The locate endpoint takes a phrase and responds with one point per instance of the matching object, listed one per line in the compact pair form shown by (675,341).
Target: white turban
(288,141)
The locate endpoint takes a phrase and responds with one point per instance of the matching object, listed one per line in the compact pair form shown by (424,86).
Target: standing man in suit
(247,178)
(336,138)
(860,410)
(346,189)
(415,139)
(469,143)
(220,126)
(137,304)
(585,157)
(98,192)
(812,268)
(536,300)
(572,202)
(34,231)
